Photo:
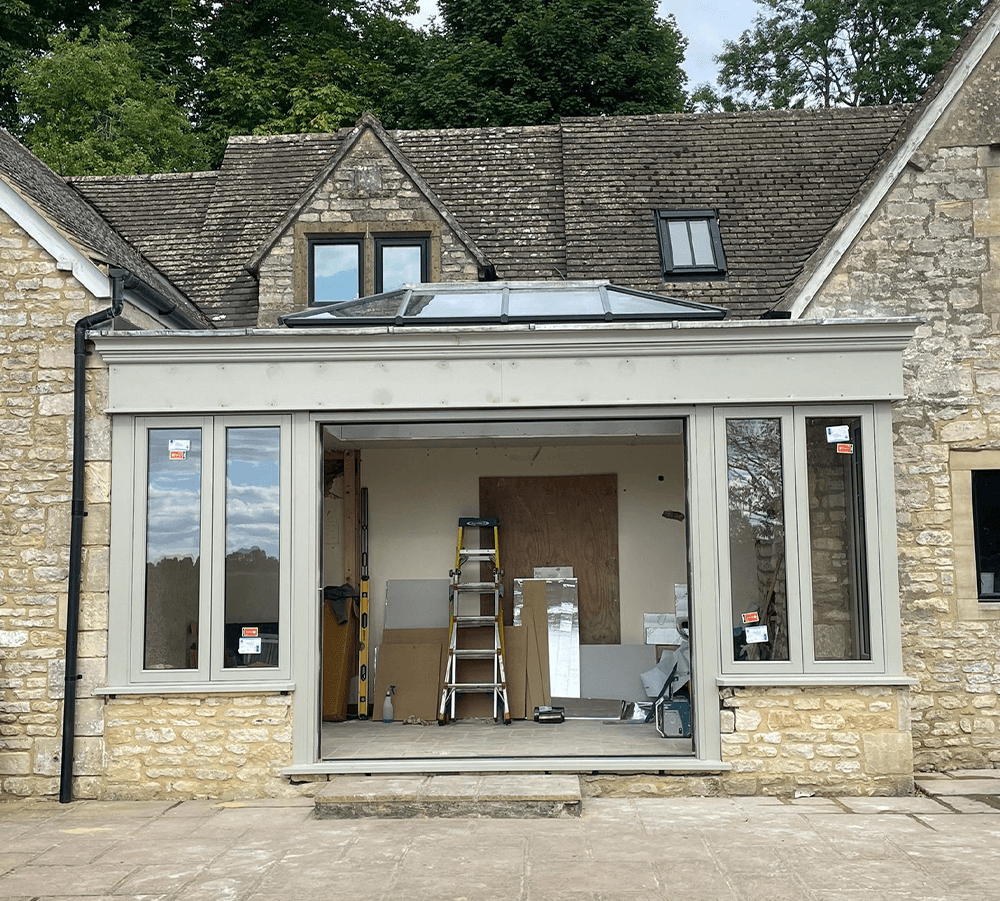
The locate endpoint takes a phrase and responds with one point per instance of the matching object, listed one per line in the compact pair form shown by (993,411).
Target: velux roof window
(458,303)
(690,244)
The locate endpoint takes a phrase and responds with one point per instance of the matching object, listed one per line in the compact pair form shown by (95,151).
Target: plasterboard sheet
(613,670)
(416,604)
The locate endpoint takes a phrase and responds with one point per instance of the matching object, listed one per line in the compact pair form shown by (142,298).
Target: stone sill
(816,680)
(199,688)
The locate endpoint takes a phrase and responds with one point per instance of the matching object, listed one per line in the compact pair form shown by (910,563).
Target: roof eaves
(367,122)
(908,138)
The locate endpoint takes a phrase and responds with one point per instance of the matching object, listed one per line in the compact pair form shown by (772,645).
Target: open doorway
(596,512)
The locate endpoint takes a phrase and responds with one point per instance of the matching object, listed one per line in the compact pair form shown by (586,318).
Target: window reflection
(251,569)
(757,539)
(173,549)
(837,538)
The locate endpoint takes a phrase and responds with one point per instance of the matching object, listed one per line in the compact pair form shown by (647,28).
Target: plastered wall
(416,496)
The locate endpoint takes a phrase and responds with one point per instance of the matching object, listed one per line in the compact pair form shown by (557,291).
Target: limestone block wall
(847,741)
(39,306)
(933,249)
(367,192)
(225,746)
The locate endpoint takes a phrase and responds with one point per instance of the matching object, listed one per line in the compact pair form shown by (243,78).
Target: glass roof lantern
(484,303)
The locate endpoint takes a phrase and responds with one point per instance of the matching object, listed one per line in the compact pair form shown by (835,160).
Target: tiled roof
(574,200)
(79,221)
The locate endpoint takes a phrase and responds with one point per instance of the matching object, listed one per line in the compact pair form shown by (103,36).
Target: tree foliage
(87,108)
(841,52)
(533,61)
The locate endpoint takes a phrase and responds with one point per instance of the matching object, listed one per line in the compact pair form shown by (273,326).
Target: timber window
(794,498)
(690,245)
(207,531)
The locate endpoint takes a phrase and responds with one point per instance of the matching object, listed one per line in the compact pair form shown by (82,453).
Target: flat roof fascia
(506,367)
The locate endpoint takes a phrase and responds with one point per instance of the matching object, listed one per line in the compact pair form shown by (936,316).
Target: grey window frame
(128,549)
(671,271)
(351,240)
(802,661)
(397,239)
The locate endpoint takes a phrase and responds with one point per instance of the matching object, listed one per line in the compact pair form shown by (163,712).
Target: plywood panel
(561,521)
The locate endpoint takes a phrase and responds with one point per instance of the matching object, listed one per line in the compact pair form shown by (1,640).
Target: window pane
(837,538)
(701,241)
(336,272)
(757,539)
(525,302)
(680,248)
(251,571)
(461,304)
(173,549)
(986,521)
(401,265)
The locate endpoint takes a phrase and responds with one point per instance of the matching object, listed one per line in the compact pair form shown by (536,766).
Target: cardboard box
(415,670)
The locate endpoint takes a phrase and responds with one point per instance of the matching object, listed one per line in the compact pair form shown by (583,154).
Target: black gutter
(83,325)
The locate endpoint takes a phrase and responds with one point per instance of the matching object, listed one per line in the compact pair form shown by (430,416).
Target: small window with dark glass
(986,520)
(336,270)
(690,244)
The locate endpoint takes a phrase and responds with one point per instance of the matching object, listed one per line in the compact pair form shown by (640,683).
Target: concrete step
(507,796)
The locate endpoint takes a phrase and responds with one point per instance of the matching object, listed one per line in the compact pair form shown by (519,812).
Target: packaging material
(535,616)
(340,661)
(415,670)
(660,629)
(515,666)
(613,670)
(416,604)
(654,679)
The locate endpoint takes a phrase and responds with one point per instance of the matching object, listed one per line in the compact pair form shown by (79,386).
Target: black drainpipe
(76,525)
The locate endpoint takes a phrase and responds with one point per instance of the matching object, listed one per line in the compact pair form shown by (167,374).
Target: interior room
(592,531)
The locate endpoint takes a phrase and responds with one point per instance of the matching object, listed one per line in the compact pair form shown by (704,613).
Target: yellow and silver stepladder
(364,693)
(466,594)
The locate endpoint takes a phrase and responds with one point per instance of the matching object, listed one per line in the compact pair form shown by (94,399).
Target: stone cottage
(713,364)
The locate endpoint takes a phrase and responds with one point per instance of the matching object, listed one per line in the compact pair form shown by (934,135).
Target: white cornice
(510,342)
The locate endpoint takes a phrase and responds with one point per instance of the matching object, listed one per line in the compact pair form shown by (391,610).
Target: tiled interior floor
(373,739)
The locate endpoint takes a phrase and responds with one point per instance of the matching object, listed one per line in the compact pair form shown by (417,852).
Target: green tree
(533,61)
(842,52)
(274,66)
(86,107)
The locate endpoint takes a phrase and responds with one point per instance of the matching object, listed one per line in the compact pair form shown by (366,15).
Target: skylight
(457,303)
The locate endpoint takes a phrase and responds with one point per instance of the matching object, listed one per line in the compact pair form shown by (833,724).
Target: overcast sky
(705,23)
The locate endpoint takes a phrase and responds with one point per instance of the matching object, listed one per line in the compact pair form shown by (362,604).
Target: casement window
(346,267)
(690,244)
(796,493)
(975,498)
(207,593)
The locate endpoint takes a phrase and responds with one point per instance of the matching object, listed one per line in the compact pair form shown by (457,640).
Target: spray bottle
(387,704)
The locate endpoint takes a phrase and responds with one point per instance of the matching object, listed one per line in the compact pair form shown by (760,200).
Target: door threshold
(582,765)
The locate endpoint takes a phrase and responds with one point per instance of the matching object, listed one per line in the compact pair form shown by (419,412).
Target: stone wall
(933,250)
(847,741)
(39,306)
(367,192)
(196,746)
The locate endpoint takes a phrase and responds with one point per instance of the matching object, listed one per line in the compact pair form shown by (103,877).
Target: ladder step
(461,621)
(484,553)
(475,653)
(477,587)
(477,687)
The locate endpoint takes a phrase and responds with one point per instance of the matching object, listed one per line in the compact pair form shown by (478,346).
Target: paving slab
(943,785)
(525,796)
(914,804)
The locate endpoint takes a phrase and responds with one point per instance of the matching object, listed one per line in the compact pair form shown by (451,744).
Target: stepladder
(475,598)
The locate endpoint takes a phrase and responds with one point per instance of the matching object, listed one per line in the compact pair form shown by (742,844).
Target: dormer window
(690,245)
(348,266)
